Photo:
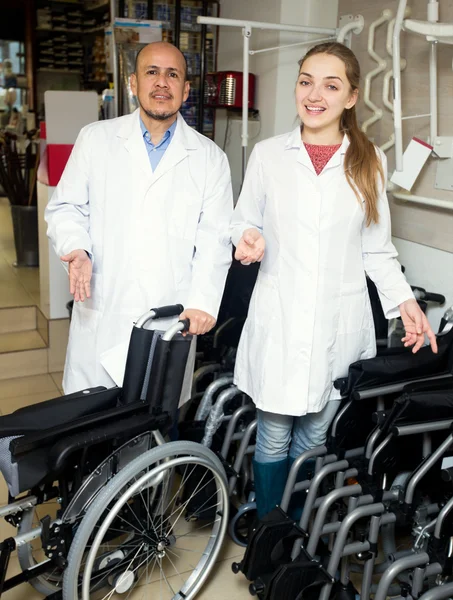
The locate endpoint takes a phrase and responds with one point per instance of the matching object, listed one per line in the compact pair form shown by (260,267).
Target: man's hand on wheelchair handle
(200,322)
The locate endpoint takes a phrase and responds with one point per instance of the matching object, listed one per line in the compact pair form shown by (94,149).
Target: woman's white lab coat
(156,238)
(310,315)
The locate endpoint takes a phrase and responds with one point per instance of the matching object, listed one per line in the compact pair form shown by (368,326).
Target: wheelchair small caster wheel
(256,588)
(241,524)
(236,567)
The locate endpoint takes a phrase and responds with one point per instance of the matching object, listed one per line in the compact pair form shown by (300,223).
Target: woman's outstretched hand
(250,248)
(417,326)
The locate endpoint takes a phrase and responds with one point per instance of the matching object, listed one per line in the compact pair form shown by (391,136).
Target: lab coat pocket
(182,253)
(351,347)
(355,314)
(355,334)
(265,299)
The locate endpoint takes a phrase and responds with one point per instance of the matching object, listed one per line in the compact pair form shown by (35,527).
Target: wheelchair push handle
(165,312)
(179,327)
(438,298)
(186,325)
(422,294)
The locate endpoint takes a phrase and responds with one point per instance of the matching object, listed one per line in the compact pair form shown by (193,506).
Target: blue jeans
(280,435)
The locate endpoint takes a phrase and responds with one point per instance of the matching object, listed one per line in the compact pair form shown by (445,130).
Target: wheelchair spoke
(175,495)
(186,550)
(174,566)
(184,505)
(178,557)
(166,580)
(121,579)
(137,519)
(192,534)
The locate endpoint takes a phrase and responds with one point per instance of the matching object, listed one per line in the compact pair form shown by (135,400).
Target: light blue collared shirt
(155,153)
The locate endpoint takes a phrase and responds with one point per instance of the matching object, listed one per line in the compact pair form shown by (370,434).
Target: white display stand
(66,113)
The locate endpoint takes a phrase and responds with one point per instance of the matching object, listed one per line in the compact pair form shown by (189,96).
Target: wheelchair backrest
(151,359)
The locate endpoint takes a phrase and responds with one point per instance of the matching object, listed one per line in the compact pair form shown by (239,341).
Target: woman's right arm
(249,209)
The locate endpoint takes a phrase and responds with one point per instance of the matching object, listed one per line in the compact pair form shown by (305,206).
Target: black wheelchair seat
(23,470)
(36,442)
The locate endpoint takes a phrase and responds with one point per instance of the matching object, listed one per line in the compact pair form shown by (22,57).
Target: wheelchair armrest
(396,388)
(28,418)
(33,441)
(436,385)
(426,427)
(64,448)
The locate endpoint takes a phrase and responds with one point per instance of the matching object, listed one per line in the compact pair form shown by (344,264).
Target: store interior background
(32,345)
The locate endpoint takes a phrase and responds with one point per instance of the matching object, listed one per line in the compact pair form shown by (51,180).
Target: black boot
(270,480)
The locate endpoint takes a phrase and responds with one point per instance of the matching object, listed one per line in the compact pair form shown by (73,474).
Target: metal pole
(260,25)
(150,9)
(30,13)
(177,22)
(116,90)
(246,33)
(202,70)
(433,92)
(404,564)
(397,85)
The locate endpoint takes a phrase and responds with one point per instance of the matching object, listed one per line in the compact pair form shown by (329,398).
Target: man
(140,218)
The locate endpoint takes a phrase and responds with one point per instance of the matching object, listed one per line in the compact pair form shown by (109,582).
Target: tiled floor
(222,585)
(18,286)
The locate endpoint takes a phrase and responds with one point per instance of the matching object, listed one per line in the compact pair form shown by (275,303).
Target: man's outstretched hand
(80,269)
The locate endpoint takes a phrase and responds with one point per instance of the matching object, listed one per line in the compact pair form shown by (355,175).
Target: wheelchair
(102,501)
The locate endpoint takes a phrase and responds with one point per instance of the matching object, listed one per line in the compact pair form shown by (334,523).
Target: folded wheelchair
(383,476)
(101,500)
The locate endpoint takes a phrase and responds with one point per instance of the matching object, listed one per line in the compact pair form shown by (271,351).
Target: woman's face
(323,92)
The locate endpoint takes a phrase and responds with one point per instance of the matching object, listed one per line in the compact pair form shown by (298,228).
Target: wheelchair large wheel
(152,524)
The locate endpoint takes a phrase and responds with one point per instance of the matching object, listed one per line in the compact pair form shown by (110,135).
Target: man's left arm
(212,257)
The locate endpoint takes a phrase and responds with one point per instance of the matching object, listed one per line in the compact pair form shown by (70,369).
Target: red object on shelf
(224,89)
(42,130)
(57,156)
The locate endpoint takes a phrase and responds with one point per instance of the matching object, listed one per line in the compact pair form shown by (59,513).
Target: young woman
(313,209)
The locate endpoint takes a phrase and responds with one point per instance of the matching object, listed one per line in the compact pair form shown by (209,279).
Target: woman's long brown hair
(362,163)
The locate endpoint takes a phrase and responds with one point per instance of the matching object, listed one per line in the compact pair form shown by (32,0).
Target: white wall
(312,13)
(276,71)
(428,268)
(230,57)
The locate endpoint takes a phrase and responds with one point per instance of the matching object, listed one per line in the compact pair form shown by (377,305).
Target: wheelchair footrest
(260,558)
(301,578)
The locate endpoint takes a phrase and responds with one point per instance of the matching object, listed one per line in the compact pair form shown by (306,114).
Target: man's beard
(158,116)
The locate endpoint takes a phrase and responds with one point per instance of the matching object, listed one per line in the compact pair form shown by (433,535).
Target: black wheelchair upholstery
(399,365)
(37,442)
